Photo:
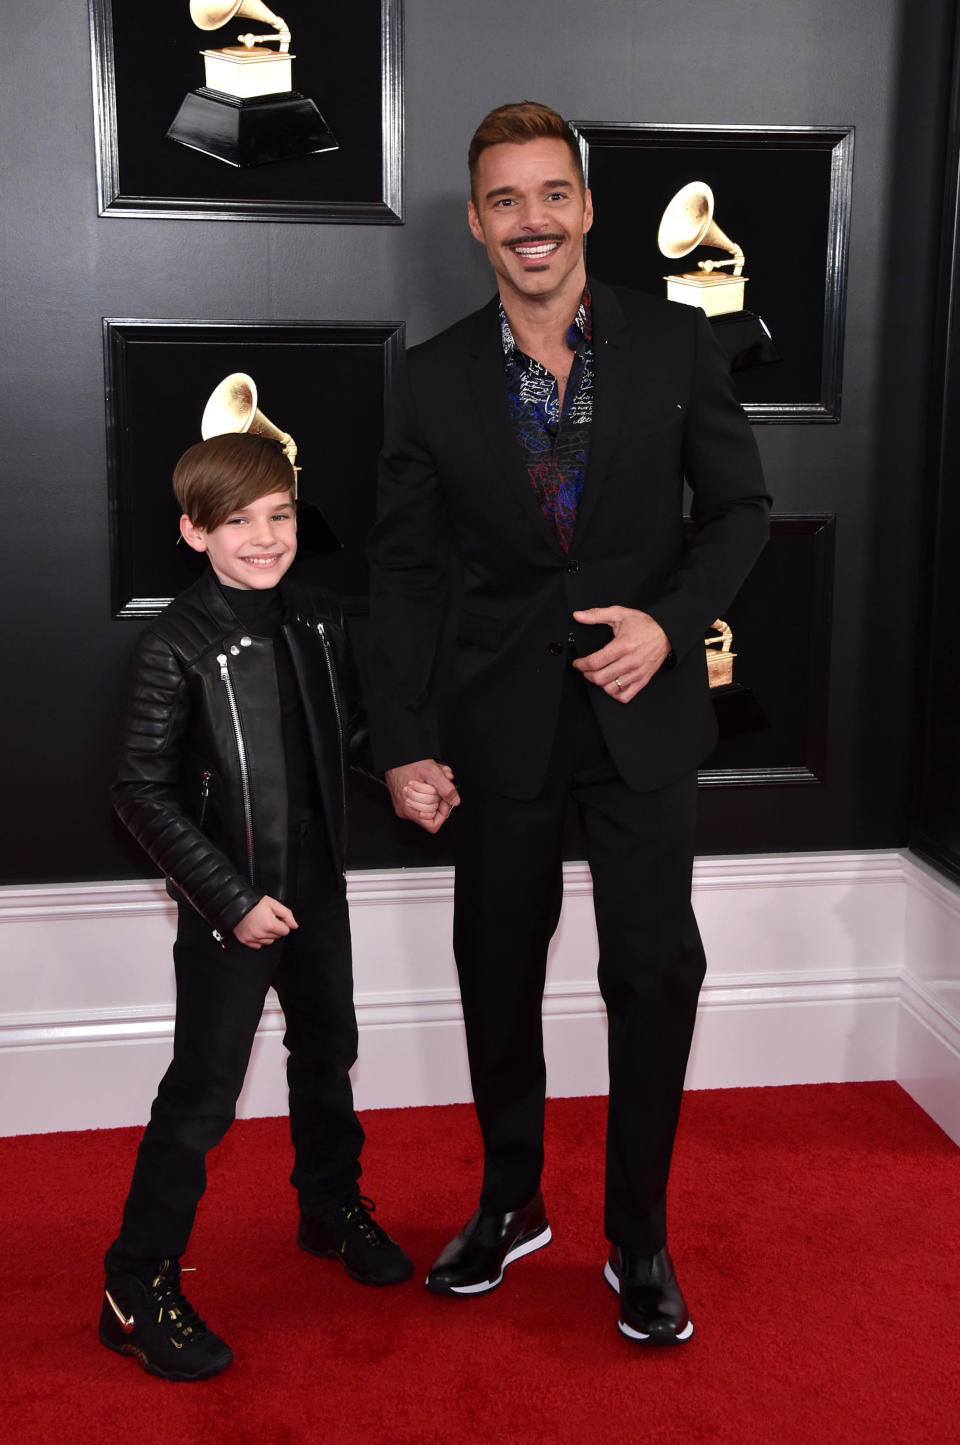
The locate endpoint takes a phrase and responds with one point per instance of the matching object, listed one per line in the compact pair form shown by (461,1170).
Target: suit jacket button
(556,648)
(573,565)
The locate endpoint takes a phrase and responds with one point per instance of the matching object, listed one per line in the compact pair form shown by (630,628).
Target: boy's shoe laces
(357,1212)
(174,1309)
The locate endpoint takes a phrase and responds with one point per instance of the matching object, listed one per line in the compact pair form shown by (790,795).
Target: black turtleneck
(261,613)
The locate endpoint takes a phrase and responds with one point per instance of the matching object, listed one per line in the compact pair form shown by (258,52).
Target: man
(537,622)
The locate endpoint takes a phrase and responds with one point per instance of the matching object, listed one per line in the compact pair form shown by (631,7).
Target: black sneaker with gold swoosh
(150,1320)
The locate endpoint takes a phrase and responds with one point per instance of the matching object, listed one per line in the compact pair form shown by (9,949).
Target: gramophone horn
(688,222)
(211,14)
(232,407)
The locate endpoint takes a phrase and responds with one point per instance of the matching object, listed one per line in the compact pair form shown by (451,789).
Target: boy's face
(254,547)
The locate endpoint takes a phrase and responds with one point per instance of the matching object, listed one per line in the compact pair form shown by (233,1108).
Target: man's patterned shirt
(555,444)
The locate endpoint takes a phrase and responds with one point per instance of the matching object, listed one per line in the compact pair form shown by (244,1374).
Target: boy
(238,727)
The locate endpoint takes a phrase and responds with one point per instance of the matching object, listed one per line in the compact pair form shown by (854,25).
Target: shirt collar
(579,330)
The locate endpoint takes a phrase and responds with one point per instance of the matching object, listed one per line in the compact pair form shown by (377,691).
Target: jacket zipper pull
(222,659)
(332,679)
(205,785)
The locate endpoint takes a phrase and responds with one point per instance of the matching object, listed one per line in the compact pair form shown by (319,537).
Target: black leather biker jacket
(201,779)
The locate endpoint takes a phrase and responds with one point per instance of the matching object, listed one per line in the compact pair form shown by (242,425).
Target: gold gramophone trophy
(719,654)
(686,224)
(247,112)
(232,407)
(737,709)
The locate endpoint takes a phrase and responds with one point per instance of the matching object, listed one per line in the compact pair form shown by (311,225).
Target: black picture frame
(774,718)
(784,194)
(348,59)
(325,382)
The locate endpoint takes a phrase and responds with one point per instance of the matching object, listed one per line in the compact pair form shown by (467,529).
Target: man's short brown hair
(519,122)
(217,477)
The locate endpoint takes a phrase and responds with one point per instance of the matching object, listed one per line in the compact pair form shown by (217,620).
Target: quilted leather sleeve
(147,795)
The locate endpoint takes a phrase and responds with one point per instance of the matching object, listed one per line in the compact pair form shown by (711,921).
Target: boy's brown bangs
(218,476)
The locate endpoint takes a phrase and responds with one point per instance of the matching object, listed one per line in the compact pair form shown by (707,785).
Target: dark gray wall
(780,62)
(936,822)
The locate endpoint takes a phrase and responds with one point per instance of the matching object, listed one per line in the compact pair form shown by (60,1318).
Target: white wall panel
(821,967)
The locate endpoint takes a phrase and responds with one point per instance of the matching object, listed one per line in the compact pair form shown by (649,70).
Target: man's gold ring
(619,683)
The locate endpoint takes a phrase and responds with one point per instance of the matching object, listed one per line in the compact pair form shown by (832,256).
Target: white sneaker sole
(610,1275)
(524,1246)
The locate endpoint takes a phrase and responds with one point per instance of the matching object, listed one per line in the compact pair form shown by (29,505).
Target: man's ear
(587,209)
(473,221)
(194,536)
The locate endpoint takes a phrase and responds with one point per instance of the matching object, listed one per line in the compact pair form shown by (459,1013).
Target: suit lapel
(610,381)
(485,372)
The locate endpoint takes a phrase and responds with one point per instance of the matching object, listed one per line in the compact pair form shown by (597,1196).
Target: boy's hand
(424,800)
(423,792)
(266,921)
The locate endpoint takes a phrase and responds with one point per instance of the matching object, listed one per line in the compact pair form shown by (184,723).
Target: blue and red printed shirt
(555,444)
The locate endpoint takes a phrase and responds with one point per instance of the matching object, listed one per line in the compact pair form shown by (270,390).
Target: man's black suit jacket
(471,592)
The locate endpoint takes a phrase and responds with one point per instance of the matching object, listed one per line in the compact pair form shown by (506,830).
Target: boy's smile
(254,547)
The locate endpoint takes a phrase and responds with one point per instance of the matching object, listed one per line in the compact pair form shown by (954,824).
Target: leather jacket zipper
(242,756)
(204,795)
(331,674)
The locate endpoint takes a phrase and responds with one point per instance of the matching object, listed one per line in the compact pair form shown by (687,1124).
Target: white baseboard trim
(928,1041)
(823,967)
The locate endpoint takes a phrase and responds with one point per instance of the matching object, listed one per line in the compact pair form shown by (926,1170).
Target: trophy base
(315,536)
(244,73)
(744,339)
(713,291)
(737,711)
(251,132)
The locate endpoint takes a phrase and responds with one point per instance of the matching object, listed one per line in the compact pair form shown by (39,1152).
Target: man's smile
(535,250)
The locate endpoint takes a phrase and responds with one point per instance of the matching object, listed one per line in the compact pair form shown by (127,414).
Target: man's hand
(423,793)
(638,648)
(266,921)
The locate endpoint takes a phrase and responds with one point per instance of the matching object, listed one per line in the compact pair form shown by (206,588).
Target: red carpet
(816,1233)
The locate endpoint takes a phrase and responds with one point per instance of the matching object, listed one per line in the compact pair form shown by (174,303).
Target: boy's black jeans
(220,996)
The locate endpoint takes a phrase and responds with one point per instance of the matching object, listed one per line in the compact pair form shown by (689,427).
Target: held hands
(266,921)
(423,793)
(638,648)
